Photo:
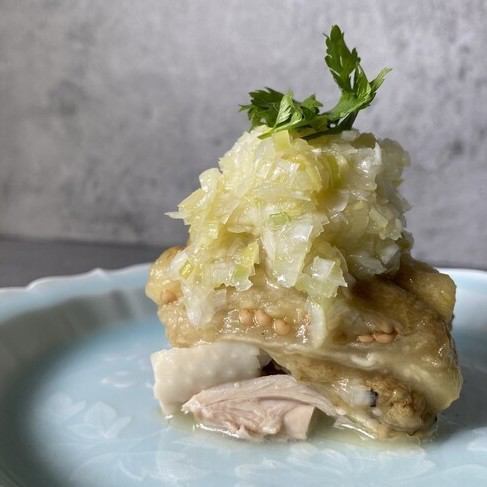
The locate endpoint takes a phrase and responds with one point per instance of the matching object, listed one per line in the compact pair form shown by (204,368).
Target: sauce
(321,431)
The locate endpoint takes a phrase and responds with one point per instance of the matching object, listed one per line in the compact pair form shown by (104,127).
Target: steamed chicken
(296,291)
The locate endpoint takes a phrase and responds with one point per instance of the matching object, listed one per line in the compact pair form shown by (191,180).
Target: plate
(76,406)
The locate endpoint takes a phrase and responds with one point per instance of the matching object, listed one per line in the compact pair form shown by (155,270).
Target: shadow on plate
(33,343)
(468,412)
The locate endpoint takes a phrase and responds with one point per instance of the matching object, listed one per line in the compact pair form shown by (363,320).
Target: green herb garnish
(281,111)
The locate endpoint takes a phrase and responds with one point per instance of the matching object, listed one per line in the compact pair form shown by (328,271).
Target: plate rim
(95,272)
(48,291)
(101,272)
(53,290)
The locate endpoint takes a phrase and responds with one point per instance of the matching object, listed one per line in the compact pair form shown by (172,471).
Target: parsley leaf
(280,111)
(357,92)
(263,107)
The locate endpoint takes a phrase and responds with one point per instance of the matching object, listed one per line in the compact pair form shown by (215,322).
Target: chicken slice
(182,372)
(255,408)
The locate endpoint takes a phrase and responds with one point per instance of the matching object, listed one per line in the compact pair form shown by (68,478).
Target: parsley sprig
(280,111)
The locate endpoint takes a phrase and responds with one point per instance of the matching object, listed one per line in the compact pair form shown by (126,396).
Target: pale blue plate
(76,406)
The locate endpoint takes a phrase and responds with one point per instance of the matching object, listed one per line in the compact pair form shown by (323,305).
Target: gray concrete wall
(109,109)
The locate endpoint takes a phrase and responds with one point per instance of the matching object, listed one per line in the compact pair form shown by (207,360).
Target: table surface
(22,261)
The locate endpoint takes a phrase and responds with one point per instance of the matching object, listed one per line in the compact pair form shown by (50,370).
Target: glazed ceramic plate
(76,406)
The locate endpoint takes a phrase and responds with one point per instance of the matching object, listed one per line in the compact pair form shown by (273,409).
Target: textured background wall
(109,109)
